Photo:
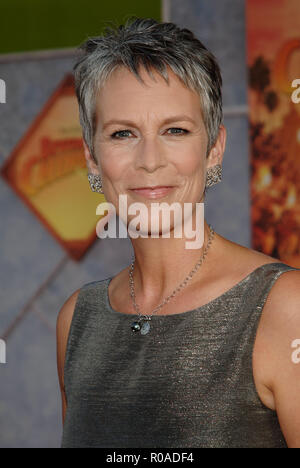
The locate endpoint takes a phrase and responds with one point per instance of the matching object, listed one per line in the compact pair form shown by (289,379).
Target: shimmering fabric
(188,383)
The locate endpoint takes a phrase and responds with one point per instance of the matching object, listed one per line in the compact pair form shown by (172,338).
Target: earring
(95,182)
(213,175)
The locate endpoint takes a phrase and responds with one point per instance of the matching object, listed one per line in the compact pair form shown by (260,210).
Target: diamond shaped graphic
(48,172)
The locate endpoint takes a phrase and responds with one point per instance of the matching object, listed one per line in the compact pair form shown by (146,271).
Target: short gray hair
(152,44)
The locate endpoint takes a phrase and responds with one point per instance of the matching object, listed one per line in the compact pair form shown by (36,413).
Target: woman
(186,347)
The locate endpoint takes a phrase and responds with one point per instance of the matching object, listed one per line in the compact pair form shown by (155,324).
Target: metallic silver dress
(187,383)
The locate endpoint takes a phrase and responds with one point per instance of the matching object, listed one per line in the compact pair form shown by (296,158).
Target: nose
(150,154)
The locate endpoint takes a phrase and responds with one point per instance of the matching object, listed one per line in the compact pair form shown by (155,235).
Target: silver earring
(95,182)
(213,175)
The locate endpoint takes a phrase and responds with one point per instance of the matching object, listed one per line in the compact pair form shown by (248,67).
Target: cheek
(113,166)
(190,163)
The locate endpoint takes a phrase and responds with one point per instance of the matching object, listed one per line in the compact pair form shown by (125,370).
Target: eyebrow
(174,118)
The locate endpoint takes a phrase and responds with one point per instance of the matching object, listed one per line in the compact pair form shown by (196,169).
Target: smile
(153,192)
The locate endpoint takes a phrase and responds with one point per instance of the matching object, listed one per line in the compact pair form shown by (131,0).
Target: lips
(153,192)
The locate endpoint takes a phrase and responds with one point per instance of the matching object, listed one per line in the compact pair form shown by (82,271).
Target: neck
(161,264)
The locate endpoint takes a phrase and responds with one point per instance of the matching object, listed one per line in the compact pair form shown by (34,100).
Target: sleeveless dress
(187,383)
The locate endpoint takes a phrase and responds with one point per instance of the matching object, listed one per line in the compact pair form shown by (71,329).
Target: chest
(188,383)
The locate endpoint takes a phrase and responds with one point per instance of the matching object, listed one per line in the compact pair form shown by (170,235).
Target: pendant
(135,327)
(142,326)
(145,327)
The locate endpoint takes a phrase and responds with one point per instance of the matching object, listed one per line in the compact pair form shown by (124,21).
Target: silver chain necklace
(142,324)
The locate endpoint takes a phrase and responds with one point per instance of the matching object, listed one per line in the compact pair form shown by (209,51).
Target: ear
(91,165)
(217,151)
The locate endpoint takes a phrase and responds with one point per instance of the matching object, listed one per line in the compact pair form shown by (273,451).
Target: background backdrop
(37,274)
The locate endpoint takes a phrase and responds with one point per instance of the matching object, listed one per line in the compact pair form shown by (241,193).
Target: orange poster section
(47,170)
(273,56)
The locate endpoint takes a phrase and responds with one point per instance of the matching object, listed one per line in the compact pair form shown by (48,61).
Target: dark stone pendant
(142,326)
(136,327)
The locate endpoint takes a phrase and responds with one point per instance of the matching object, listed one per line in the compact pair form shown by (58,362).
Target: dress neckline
(197,309)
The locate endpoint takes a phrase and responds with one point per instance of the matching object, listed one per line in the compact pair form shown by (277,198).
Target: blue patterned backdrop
(36,274)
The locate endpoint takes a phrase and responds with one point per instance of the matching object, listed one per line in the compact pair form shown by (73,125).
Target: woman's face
(149,135)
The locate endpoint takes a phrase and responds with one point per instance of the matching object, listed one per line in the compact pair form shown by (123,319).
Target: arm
(281,330)
(63,324)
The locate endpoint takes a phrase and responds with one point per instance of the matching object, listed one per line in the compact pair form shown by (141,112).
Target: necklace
(142,324)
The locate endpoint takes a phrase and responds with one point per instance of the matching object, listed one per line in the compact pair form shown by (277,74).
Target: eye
(178,131)
(120,134)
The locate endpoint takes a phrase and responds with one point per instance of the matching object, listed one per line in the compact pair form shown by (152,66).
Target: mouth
(157,191)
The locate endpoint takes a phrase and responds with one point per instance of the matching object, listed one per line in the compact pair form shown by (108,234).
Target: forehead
(124,95)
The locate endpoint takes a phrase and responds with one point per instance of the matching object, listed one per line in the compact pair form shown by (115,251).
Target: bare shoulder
(276,353)
(242,260)
(277,363)
(63,324)
(278,329)
(281,312)
(284,295)
(275,373)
